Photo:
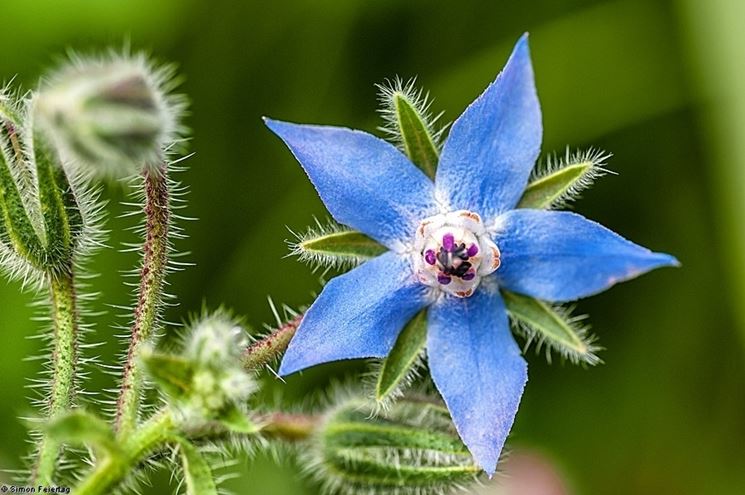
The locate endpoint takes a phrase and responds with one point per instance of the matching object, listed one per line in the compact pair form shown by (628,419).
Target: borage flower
(453,245)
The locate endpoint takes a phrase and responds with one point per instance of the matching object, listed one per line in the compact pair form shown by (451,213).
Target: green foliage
(197,472)
(173,374)
(79,427)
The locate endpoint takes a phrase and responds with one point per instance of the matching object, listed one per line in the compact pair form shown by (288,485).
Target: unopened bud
(412,448)
(208,381)
(112,116)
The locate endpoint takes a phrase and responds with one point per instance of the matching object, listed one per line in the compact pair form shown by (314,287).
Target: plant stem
(65,318)
(150,295)
(160,429)
(156,432)
(271,346)
(289,426)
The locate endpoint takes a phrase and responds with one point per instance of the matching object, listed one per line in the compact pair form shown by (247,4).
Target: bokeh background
(659,83)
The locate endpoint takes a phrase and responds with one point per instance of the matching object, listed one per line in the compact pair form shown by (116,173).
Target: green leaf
(83,428)
(236,420)
(551,326)
(197,473)
(402,358)
(418,141)
(173,374)
(563,180)
(331,245)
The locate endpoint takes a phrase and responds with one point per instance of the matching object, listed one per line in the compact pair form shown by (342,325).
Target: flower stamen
(453,252)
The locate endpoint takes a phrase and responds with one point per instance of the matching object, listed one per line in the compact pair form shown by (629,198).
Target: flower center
(453,252)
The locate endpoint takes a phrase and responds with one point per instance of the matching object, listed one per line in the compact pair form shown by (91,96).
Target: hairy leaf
(173,374)
(197,473)
(83,428)
(236,420)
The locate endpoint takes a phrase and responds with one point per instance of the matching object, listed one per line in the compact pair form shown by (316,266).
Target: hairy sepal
(16,228)
(331,245)
(409,123)
(553,327)
(562,180)
(411,449)
(63,221)
(399,368)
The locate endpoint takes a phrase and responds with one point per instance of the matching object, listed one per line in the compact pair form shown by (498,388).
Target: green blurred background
(660,84)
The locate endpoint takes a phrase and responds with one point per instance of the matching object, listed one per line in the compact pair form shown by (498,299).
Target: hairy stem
(289,426)
(65,318)
(160,430)
(271,346)
(153,435)
(152,275)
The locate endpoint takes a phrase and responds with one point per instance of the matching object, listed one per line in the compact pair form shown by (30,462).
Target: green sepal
(552,327)
(411,447)
(197,473)
(236,420)
(563,179)
(401,360)
(79,427)
(16,228)
(173,374)
(63,221)
(417,139)
(332,245)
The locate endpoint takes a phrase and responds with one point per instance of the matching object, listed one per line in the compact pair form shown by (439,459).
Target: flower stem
(157,431)
(271,346)
(161,429)
(150,295)
(289,426)
(65,318)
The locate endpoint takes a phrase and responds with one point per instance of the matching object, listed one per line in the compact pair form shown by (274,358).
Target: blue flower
(453,243)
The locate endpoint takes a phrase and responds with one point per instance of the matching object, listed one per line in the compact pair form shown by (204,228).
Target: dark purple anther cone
(443,279)
(430,257)
(469,276)
(448,242)
(473,250)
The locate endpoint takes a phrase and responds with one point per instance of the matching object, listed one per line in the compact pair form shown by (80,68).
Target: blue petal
(562,256)
(487,158)
(477,367)
(365,182)
(358,314)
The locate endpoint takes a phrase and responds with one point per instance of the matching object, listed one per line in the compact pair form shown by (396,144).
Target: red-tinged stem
(152,276)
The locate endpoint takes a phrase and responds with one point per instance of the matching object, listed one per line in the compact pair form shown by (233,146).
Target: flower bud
(113,116)
(412,448)
(207,382)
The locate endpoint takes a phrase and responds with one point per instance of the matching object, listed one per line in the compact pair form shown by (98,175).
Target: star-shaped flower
(453,244)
